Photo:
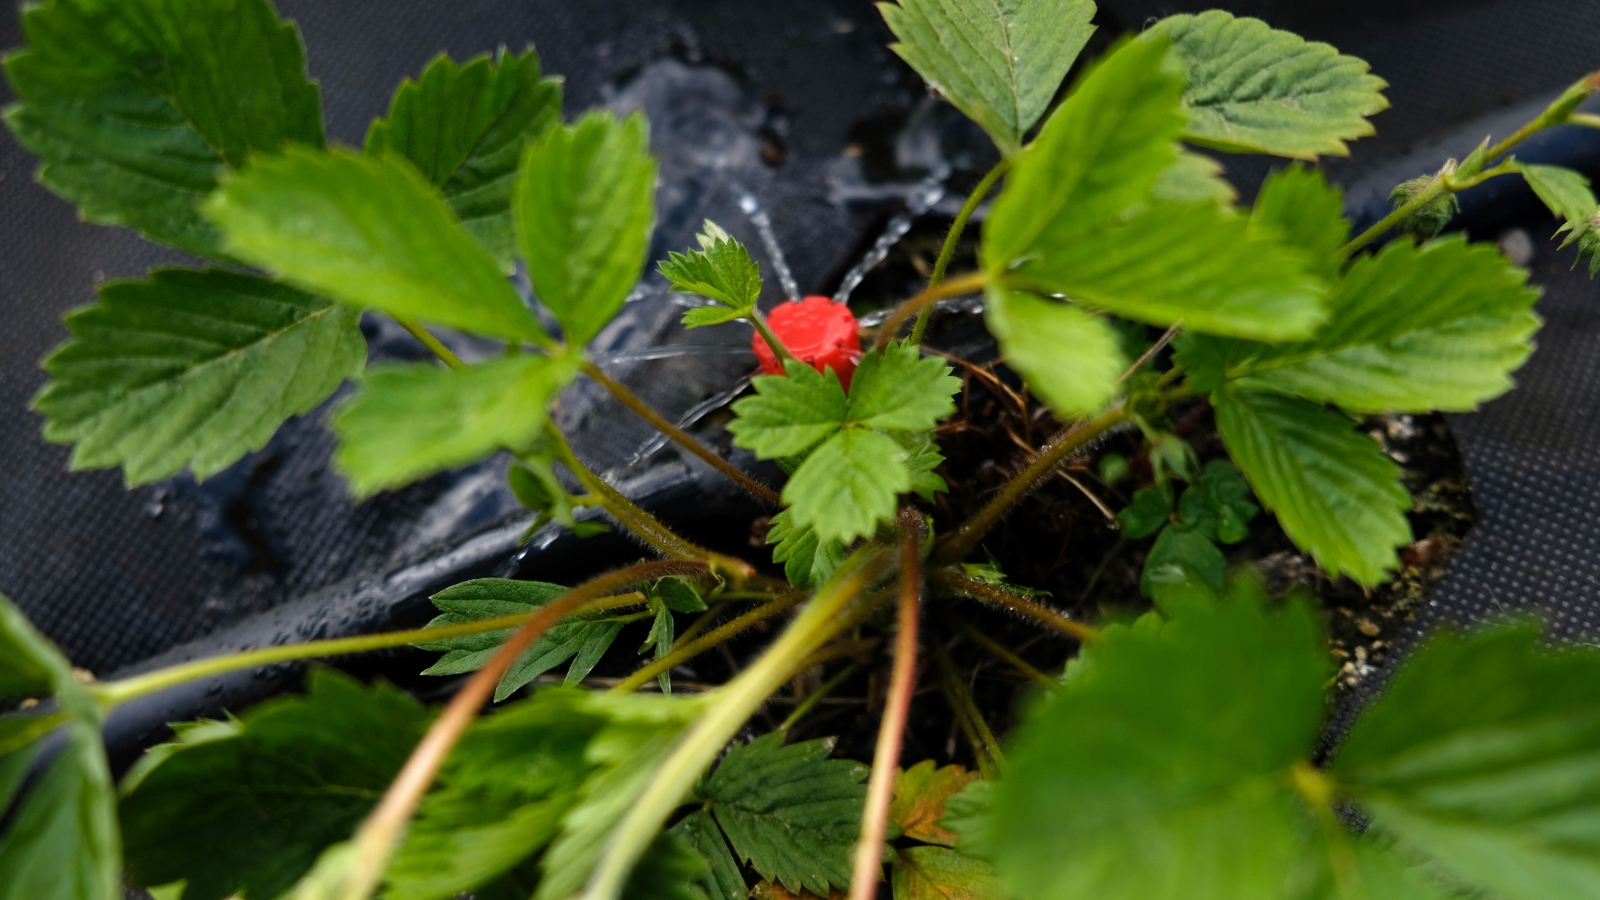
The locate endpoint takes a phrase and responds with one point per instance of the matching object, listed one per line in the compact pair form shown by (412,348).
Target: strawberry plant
(1174,756)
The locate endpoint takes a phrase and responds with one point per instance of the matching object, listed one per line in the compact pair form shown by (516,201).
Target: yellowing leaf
(920,793)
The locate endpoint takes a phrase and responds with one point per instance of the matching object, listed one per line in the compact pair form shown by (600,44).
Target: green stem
(678,435)
(960,284)
(1004,654)
(985,747)
(826,688)
(1061,445)
(1587,120)
(1017,603)
(953,236)
(728,710)
(778,349)
(645,526)
(682,654)
(431,342)
(114,693)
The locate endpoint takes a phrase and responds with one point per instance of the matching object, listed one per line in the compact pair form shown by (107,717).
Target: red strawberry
(819,332)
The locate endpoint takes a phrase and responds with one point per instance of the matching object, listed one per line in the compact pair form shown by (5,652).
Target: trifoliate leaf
(722,271)
(1254,89)
(1000,63)
(245,808)
(584,205)
(848,485)
(1413,329)
(789,413)
(583,639)
(409,421)
(328,222)
(1182,566)
(1070,358)
(499,798)
(722,880)
(1193,178)
(464,127)
(938,873)
(1299,206)
(1479,755)
(1076,218)
(900,389)
(807,562)
(1152,776)
(920,795)
(1564,191)
(192,369)
(1333,490)
(1146,514)
(701,316)
(1218,504)
(790,812)
(138,107)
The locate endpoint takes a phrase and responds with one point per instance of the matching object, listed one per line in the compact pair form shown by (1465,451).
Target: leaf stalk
(960,284)
(953,236)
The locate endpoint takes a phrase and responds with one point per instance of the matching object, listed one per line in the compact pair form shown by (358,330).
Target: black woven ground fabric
(789,103)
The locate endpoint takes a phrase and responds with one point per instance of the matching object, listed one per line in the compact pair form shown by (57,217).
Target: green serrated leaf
(790,812)
(1564,191)
(900,389)
(1151,776)
(1070,358)
(138,107)
(464,127)
(249,811)
(1480,756)
(1000,63)
(670,869)
(848,485)
(921,794)
(1413,329)
(584,206)
(721,270)
(1146,514)
(1193,178)
(409,421)
(722,880)
(939,873)
(61,842)
(326,222)
(1298,206)
(678,595)
(922,458)
(192,369)
(968,814)
(1077,218)
(1218,504)
(663,631)
(499,798)
(807,562)
(789,414)
(1182,566)
(583,639)
(1255,89)
(701,316)
(1333,490)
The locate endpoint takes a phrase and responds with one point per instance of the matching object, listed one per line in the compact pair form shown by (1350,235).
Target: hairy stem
(633,402)
(645,526)
(1017,603)
(375,841)
(731,706)
(985,747)
(432,343)
(1001,652)
(955,546)
(897,706)
(953,236)
(682,654)
(826,688)
(960,284)
(114,693)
